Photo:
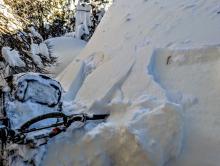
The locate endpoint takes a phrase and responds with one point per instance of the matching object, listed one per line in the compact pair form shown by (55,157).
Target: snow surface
(167,50)
(65,49)
(194,84)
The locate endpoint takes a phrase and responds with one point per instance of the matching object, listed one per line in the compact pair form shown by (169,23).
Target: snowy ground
(154,66)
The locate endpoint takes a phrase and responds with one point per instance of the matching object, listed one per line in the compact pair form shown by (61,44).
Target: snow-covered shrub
(12,57)
(24,51)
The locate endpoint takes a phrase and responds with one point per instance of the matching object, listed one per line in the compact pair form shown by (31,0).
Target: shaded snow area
(65,49)
(154,66)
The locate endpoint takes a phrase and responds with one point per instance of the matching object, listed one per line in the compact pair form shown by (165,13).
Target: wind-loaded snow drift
(153,65)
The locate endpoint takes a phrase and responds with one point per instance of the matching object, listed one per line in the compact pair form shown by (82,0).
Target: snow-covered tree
(25,24)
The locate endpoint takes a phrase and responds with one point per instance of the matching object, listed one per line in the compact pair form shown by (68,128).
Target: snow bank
(167,50)
(65,49)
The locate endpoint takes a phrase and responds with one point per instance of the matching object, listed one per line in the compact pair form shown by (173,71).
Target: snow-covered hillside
(154,66)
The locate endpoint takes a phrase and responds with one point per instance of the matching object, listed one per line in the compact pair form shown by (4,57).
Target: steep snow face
(167,50)
(191,78)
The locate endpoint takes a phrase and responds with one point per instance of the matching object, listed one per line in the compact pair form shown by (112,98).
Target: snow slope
(148,63)
(65,48)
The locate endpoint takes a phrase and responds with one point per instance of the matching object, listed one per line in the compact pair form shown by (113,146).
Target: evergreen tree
(25,24)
